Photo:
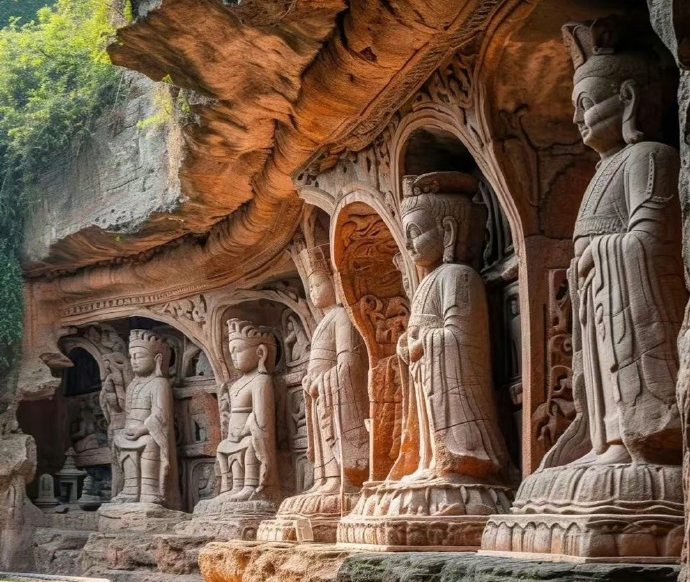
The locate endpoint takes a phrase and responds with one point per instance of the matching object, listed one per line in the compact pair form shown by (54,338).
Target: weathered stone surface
(415,567)
(121,177)
(270,562)
(59,551)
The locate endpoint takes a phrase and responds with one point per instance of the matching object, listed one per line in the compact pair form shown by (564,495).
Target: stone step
(58,551)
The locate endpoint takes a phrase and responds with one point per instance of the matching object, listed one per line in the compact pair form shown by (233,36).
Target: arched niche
(431,148)
(372,289)
(293,339)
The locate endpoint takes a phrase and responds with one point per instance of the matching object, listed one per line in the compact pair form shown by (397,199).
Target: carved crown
(143,338)
(439,183)
(249,332)
(586,39)
(608,47)
(317,260)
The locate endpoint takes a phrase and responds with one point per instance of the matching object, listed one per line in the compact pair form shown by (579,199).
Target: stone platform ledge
(298,528)
(651,539)
(461,533)
(238,561)
(273,562)
(138,517)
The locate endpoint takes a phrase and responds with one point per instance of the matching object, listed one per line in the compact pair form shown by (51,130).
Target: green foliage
(55,79)
(24,9)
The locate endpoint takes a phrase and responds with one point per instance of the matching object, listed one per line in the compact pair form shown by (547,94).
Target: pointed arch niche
(424,146)
(371,279)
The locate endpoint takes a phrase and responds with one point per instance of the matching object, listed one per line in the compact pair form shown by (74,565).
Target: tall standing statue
(247,454)
(145,449)
(620,458)
(336,405)
(453,464)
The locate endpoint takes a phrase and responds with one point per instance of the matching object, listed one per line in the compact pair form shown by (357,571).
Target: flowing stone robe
(338,439)
(630,302)
(449,403)
(149,402)
(252,418)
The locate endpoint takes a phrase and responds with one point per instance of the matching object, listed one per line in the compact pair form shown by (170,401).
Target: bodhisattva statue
(145,450)
(247,455)
(618,464)
(453,464)
(336,405)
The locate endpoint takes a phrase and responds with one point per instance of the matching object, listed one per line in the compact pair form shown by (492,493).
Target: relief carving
(247,453)
(613,479)
(555,414)
(453,462)
(335,405)
(145,449)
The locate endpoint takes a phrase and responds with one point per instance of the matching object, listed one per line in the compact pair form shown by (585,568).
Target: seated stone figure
(452,468)
(145,450)
(247,455)
(336,403)
(611,485)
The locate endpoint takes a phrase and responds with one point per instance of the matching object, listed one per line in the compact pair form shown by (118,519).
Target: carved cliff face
(245,357)
(143,361)
(599,110)
(423,238)
(321,290)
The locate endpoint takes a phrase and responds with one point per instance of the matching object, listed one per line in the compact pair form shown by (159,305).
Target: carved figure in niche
(336,404)
(247,455)
(621,454)
(86,430)
(446,346)
(295,339)
(145,448)
(453,459)
(335,388)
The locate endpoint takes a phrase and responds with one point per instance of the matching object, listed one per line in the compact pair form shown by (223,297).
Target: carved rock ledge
(323,512)
(436,515)
(595,513)
(223,519)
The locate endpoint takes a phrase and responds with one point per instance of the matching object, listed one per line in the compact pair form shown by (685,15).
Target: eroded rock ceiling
(283,81)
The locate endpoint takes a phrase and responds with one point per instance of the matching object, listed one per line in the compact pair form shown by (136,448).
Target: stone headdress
(155,344)
(449,194)
(255,335)
(317,260)
(613,51)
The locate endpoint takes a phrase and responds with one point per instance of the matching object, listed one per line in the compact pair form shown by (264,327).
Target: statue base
(431,515)
(225,519)
(138,517)
(593,513)
(651,539)
(310,517)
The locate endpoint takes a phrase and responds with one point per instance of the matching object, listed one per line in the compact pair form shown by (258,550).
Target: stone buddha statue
(453,462)
(336,404)
(621,455)
(247,455)
(145,449)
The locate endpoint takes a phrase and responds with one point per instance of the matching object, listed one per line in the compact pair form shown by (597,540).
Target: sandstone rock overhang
(284,82)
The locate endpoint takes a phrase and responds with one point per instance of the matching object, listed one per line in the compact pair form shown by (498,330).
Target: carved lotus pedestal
(436,515)
(224,519)
(595,513)
(308,517)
